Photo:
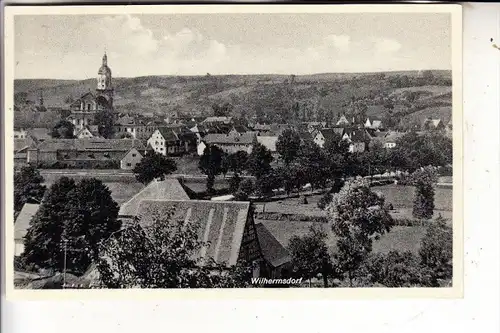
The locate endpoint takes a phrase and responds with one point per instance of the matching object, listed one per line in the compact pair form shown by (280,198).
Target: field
(399,238)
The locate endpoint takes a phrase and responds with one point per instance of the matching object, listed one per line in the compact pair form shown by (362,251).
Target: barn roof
(168,189)
(272,250)
(245,138)
(268,141)
(221,223)
(91,144)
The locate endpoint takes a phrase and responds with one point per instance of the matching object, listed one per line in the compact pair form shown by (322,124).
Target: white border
(290,294)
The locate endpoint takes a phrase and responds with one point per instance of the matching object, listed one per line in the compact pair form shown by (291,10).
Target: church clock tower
(104,96)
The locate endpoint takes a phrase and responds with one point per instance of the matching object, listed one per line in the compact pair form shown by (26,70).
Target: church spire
(104,59)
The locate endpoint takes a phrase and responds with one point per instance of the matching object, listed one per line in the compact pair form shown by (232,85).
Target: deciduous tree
(259,161)
(423,204)
(211,164)
(153,165)
(310,255)
(288,145)
(357,215)
(27,186)
(163,255)
(63,130)
(104,119)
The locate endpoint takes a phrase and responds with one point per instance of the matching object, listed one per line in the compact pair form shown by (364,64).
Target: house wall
(130,160)
(163,147)
(319,140)
(250,249)
(233,148)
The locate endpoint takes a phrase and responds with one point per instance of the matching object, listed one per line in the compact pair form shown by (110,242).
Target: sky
(71,46)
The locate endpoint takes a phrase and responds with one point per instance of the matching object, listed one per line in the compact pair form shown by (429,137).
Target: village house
(131,159)
(276,258)
(172,141)
(84,153)
(343,121)
(21,147)
(391,138)
(20,133)
(238,129)
(129,126)
(217,121)
(374,123)
(269,142)
(358,139)
(229,143)
(22,224)
(87,132)
(433,124)
(327,134)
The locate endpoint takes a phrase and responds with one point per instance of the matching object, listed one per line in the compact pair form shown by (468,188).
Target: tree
(245,189)
(436,251)
(27,186)
(288,145)
(393,270)
(315,164)
(153,165)
(63,130)
(423,204)
(104,119)
(259,161)
(234,183)
(42,245)
(211,164)
(163,255)
(267,183)
(310,255)
(357,215)
(126,135)
(223,110)
(90,218)
(238,161)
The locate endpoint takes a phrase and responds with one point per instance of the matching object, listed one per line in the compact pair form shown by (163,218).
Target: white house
(130,160)
(390,140)
(231,143)
(326,134)
(172,141)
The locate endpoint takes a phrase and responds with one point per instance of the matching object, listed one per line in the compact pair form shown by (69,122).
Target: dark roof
(240,128)
(272,250)
(245,138)
(91,144)
(168,189)
(359,135)
(221,224)
(330,133)
(23,220)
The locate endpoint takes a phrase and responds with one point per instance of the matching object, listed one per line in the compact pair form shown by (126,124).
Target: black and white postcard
(234,147)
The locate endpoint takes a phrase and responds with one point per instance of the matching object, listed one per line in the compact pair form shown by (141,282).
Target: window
(134,155)
(129,164)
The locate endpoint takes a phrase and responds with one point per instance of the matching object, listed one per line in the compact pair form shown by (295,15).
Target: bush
(325,201)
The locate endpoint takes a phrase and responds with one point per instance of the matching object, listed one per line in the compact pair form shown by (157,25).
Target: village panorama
(288,181)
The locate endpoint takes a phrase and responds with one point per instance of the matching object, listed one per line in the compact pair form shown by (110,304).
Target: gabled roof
(343,120)
(330,133)
(240,128)
(272,250)
(23,220)
(91,144)
(262,127)
(126,120)
(377,124)
(393,136)
(84,96)
(21,144)
(268,141)
(168,189)
(224,120)
(243,139)
(39,134)
(221,224)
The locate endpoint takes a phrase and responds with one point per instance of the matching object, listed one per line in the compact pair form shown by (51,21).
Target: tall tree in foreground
(310,255)
(27,186)
(423,204)
(357,215)
(259,161)
(153,165)
(211,164)
(42,244)
(163,255)
(436,251)
(84,214)
(288,145)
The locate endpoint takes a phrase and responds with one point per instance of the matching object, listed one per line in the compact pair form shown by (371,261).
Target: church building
(83,110)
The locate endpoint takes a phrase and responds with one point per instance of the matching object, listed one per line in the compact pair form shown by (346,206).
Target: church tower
(104,89)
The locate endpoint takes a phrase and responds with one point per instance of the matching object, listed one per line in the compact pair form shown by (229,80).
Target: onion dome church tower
(104,91)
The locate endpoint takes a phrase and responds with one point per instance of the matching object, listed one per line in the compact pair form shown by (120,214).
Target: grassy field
(399,238)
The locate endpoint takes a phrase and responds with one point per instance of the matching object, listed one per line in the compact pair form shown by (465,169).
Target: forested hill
(403,97)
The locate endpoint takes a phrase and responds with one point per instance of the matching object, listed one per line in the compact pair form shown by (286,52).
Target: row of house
(80,153)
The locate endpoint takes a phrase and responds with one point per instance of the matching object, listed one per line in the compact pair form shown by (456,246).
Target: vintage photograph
(239,149)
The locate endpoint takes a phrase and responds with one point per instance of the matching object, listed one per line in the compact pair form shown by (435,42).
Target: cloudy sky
(71,47)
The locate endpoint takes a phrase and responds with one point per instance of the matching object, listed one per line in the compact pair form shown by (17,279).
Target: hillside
(278,98)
